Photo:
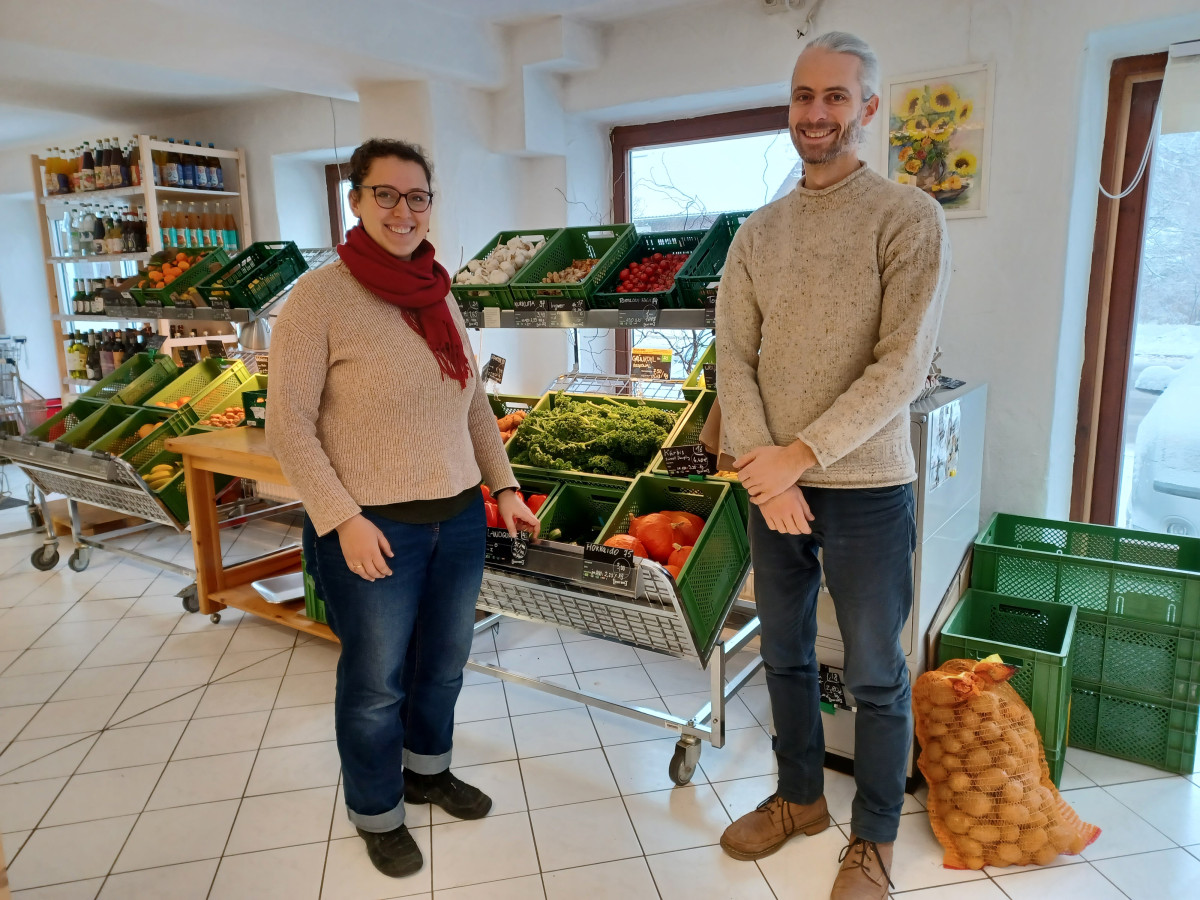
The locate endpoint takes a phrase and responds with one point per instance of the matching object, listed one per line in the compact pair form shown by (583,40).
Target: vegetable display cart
(648,609)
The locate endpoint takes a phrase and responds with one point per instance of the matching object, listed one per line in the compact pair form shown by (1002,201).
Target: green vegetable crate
(95,426)
(255,403)
(206,384)
(1159,661)
(1133,575)
(229,393)
(606,243)
(708,580)
(150,446)
(174,493)
(663,242)
(1159,733)
(695,384)
(550,401)
(255,275)
(168,294)
(1030,634)
(500,295)
(67,419)
(134,380)
(125,434)
(698,279)
(579,512)
(314,606)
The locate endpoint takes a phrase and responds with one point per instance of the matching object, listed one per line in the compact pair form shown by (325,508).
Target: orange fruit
(184,266)
(180,256)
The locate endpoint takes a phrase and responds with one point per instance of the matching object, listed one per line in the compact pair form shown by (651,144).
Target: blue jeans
(867,537)
(405,640)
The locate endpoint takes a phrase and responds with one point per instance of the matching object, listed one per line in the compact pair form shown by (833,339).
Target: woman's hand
(364,547)
(514,513)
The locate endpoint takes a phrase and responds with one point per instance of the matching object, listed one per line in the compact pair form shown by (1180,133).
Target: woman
(379,420)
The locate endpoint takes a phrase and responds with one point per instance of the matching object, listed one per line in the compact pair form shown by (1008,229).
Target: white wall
(301,201)
(23,305)
(1015,310)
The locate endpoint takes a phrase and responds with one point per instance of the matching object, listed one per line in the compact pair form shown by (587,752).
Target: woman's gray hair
(844,42)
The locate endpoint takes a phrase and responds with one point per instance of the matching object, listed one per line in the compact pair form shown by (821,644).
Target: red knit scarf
(419,287)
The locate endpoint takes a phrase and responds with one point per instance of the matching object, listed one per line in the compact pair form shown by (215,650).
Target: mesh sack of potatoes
(991,800)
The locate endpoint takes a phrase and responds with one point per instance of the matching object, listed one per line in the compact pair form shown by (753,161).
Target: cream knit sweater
(360,414)
(829,310)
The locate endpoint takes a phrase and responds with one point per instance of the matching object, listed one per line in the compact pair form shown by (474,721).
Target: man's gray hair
(844,42)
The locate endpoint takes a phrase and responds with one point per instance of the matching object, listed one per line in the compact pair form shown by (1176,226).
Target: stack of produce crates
(254,276)
(607,244)
(607,297)
(697,281)
(500,295)
(1135,688)
(1033,635)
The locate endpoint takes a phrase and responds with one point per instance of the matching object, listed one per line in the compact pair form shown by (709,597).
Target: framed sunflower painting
(939,135)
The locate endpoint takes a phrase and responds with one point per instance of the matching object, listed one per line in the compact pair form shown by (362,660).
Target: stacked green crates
(1136,651)
(605,243)
(1030,634)
(255,275)
(607,296)
(133,380)
(500,295)
(698,279)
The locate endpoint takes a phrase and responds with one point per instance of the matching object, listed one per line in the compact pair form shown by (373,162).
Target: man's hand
(364,547)
(769,471)
(788,513)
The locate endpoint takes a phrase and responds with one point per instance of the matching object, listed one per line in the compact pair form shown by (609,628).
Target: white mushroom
(497,277)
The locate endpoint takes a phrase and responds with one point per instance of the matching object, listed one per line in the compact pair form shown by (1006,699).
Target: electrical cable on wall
(1141,172)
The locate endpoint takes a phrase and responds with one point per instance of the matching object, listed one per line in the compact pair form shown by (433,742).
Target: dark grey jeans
(867,537)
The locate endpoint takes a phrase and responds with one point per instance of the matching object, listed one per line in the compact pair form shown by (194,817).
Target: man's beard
(849,138)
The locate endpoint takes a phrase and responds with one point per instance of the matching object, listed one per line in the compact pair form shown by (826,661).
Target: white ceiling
(66,63)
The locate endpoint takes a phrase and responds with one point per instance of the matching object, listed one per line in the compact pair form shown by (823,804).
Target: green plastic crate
(606,243)
(95,426)
(174,493)
(500,295)
(168,294)
(1131,726)
(1155,660)
(314,606)
(548,402)
(255,275)
(222,394)
(1031,634)
(150,446)
(1054,762)
(699,277)
(125,434)
(68,418)
(208,382)
(579,511)
(688,432)
(1133,575)
(714,570)
(256,408)
(663,242)
(695,384)
(133,380)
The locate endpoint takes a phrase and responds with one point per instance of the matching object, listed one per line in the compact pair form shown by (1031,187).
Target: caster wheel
(45,558)
(191,599)
(683,763)
(79,560)
(215,618)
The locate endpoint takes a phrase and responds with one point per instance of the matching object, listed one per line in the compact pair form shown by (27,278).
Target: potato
(933,751)
(1033,839)
(952,763)
(968,846)
(1012,791)
(953,745)
(1060,838)
(942,714)
(992,779)
(1016,813)
(974,862)
(1077,844)
(990,731)
(960,823)
(935,772)
(1009,853)
(977,805)
(1014,712)
(978,760)
(967,718)
(967,736)
(936,729)
(941,692)
(984,833)
(1009,764)
(984,704)
(943,793)
(924,708)
(960,782)
(1045,855)
(1038,819)
(1010,833)
(1031,741)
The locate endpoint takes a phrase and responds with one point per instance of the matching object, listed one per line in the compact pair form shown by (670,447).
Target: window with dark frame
(337,182)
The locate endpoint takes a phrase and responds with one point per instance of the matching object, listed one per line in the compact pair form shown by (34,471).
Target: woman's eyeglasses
(387,197)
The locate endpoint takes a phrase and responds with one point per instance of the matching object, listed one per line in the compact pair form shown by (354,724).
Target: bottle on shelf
(143,232)
(77,358)
(118,351)
(106,353)
(100,165)
(166,222)
(93,358)
(216,175)
(201,164)
(230,231)
(195,238)
(187,167)
(133,162)
(114,241)
(171,174)
(208,229)
(87,168)
(116,165)
(98,233)
(158,159)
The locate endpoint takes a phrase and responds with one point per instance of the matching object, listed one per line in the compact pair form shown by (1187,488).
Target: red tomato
(658,256)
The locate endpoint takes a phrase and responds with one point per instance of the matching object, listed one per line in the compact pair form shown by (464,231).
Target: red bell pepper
(491,510)
(535,502)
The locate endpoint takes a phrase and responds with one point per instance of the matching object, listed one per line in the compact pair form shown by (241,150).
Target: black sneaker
(459,799)
(394,853)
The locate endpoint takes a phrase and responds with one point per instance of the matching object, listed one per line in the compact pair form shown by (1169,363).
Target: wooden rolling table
(241,452)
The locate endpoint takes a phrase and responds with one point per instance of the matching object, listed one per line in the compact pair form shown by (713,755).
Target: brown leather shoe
(763,831)
(865,872)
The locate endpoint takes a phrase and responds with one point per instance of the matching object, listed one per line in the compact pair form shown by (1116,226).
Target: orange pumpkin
(658,535)
(687,527)
(627,542)
(679,556)
(674,570)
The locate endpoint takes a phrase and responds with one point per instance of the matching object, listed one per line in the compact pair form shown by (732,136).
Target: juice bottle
(215,171)
(230,230)
(134,163)
(195,237)
(166,222)
(159,160)
(171,175)
(87,168)
(114,242)
(100,165)
(49,181)
(201,171)
(187,167)
(208,228)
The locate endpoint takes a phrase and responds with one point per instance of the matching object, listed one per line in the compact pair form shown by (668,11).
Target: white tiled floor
(145,753)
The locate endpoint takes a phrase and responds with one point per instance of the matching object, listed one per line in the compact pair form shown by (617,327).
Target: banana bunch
(158,477)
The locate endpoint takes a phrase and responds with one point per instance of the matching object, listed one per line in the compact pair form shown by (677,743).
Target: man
(829,310)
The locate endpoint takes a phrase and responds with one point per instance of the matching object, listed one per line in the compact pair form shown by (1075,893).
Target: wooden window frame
(1134,86)
(625,138)
(333,178)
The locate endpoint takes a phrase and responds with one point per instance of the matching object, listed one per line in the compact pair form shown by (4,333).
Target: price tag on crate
(637,312)
(472,313)
(183,312)
(833,689)
(608,565)
(531,314)
(220,315)
(503,549)
(219,303)
(491,317)
(155,306)
(216,349)
(566,313)
(710,376)
(494,370)
(690,459)
(710,309)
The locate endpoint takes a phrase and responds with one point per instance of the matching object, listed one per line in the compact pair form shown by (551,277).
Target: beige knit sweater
(360,414)
(829,310)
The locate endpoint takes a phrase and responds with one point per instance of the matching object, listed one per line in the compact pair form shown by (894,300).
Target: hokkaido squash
(674,570)
(679,556)
(687,527)
(657,533)
(627,542)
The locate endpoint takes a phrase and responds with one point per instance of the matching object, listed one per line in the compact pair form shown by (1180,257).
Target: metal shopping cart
(21,409)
